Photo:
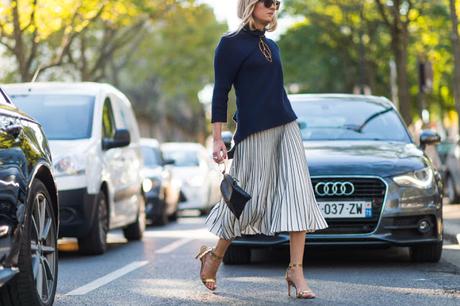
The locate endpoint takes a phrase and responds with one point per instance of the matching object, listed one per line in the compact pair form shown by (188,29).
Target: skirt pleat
(272,167)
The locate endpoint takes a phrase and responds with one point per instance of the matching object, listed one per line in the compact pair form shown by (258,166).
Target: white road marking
(108,278)
(172,246)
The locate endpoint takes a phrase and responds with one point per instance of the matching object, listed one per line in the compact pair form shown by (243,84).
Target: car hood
(152,172)
(61,148)
(362,158)
(183,173)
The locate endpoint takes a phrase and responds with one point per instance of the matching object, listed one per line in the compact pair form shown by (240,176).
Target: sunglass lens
(269,3)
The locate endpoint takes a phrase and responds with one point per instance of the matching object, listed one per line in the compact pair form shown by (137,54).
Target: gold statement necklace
(265,49)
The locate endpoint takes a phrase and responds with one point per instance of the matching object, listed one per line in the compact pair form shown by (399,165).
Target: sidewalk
(451,214)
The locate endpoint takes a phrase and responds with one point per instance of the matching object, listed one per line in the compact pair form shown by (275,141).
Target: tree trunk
(400,44)
(456,50)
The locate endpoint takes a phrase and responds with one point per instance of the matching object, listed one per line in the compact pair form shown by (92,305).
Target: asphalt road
(161,270)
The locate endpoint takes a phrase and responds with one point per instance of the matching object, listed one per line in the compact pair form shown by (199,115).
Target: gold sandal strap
(215,256)
(208,280)
(291,265)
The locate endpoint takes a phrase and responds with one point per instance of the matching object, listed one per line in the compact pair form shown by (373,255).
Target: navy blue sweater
(261,100)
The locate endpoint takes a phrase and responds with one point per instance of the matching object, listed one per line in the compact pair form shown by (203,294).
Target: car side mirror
(122,138)
(227,137)
(168,162)
(429,137)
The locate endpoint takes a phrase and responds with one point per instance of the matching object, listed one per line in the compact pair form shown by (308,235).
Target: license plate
(346,209)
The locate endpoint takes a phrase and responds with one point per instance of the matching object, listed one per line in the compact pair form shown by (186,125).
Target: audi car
(373,184)
(28,211)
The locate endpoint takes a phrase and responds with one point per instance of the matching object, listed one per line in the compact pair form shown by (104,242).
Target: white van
(95,146)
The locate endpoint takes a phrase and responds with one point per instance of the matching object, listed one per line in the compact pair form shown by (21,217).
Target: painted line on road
(174,245)
(108,278)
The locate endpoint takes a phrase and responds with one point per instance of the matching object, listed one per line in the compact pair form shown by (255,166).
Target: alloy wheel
(43,247)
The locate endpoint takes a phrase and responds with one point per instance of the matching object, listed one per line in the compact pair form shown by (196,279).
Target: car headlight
(196,181)
(150,183)
(420,179)
(69,165)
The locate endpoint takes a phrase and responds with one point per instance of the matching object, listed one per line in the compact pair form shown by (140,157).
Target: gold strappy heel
(204,250)
(304,294)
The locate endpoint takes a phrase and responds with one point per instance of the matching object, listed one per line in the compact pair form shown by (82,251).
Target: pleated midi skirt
(272,167)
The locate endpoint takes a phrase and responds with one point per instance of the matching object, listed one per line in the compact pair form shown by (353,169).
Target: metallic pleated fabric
(272,167)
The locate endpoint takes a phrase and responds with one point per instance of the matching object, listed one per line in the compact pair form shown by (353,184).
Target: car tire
(449,190)
(135,231)
(236,255)
(95,243)
(426,252)
(174,216)
(162,218)
(204,212)
(37,259)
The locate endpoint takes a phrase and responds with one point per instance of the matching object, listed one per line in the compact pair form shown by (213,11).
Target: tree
(456,52)
(169,66)
(28,27)
(397,15)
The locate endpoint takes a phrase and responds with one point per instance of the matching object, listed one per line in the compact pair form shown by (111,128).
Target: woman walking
(269,158)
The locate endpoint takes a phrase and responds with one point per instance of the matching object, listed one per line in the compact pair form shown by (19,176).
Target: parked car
(451,173)
(28,212)
(161,189)
(199,175)
(95,143)
(374,186)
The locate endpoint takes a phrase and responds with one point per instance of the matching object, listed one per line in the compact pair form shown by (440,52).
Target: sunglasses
(269,3)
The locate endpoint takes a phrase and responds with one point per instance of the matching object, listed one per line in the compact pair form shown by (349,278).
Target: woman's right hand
(219,152)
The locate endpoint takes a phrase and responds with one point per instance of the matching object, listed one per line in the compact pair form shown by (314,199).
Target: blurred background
(160,53)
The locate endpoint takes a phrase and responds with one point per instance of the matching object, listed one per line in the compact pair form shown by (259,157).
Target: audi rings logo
(334,188)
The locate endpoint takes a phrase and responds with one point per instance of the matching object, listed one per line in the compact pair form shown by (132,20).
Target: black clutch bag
(234,196)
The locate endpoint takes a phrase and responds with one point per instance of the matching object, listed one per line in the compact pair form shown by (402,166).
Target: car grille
(369,189)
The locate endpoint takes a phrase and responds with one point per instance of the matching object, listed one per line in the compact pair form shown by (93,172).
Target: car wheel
(174,216)
(162,217)
(95,243)
(38,259)
(135,231)
(426,252)
(237,256)
(204,212)
(450,191)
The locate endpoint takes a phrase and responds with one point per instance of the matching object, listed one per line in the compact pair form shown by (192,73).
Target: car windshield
(182,158)
(63,117)
(151,157)
(335,119)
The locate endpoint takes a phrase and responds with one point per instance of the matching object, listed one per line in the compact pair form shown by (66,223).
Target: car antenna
(37,72)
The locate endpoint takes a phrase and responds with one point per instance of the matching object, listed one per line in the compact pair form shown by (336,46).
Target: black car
(161,193)
(28,211)
(450,157)
(374,186)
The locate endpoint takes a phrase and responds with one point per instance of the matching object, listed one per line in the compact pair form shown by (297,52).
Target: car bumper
(398,224)
(194,198)
(77,211)
(6,274)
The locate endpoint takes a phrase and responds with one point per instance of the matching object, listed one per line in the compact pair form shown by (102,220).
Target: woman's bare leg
(297,247)
(211,264)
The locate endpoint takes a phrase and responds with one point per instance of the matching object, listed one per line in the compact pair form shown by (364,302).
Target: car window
(63,117)
(125,118)
(152,157)
(335,119)
(182,158)
(108,122)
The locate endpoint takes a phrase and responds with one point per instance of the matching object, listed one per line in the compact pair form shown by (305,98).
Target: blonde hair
(245,11)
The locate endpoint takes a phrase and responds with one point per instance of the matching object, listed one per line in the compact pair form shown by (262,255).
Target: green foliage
(343,44)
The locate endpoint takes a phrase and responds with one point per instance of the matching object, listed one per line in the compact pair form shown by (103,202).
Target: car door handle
(14,130)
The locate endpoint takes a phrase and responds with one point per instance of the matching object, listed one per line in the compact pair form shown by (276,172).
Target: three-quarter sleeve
(226,65)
